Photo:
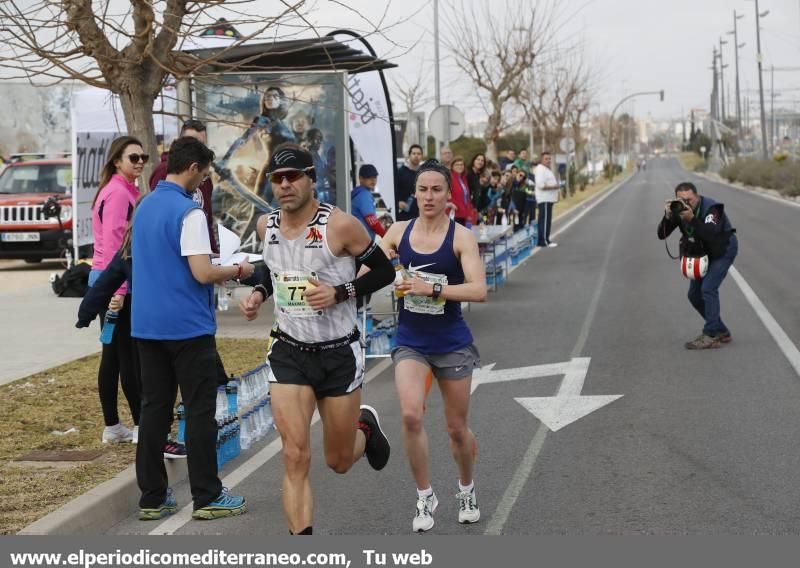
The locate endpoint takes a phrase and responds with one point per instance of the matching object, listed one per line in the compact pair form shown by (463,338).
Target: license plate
(20,237)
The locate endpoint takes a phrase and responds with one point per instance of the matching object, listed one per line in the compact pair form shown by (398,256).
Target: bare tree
(414,95)
(129,48)
(495,49)
(558,96)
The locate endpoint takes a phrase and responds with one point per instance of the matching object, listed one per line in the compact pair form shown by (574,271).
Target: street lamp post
(736,47)
(611,126)
(760,59)
(722,66)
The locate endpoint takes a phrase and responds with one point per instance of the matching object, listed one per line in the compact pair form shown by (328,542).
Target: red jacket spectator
(459,191)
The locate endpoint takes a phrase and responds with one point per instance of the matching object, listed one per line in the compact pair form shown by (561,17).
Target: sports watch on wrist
(437,290)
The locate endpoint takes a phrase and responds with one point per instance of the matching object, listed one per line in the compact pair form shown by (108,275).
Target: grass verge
(691,161)
(58,399)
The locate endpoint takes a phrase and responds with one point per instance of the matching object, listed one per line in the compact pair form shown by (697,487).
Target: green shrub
(783,175)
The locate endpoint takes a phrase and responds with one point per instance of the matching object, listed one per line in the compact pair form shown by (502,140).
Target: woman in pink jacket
(111,211)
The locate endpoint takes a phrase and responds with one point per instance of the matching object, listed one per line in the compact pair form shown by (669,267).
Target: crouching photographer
(708,248)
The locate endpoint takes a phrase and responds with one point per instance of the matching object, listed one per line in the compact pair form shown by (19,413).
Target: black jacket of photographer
(709,232)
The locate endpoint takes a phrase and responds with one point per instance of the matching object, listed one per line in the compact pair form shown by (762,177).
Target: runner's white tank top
(291,263)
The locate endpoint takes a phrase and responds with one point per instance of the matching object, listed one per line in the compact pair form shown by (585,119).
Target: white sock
(425,493)
(469,487)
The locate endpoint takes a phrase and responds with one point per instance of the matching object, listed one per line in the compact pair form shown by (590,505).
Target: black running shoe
(377,448)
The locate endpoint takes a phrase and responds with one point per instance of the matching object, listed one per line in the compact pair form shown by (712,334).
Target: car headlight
(66,213)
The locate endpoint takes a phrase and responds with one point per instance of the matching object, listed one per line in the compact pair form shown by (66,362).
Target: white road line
(525,468)
(235,477)
(785,344)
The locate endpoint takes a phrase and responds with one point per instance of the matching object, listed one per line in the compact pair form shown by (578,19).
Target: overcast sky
(635,45)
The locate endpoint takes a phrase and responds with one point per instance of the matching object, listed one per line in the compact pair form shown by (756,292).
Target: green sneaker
(167,508)
(223,506)
(703,341)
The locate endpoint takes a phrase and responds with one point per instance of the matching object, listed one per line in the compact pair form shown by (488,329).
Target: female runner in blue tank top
(446,269)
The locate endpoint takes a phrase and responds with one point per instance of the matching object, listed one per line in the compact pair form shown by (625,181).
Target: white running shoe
(552,245)
(135,434)
(423,519)
(468,511)
(117,434)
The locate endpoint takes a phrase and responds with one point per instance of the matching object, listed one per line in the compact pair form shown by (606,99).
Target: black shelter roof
(317,54)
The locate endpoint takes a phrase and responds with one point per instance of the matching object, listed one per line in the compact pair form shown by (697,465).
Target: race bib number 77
(290,288)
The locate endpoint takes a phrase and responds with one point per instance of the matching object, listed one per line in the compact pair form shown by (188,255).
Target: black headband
(433,166)
(292,158)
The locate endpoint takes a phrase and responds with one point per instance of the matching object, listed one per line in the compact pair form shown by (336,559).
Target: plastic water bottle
(181,423)
(232,394)
(219,416)
(223,300)
(107,335)
(244,433)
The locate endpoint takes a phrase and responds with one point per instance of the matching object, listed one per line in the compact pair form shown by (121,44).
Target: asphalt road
(699,442)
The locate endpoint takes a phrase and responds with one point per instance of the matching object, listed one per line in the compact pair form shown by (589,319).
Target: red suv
(25,232)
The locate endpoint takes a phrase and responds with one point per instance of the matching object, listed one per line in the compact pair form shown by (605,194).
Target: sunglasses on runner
(290,175)
(134,158)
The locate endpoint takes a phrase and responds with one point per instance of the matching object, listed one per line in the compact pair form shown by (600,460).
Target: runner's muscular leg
(456,397)
(409,378)
(344,443)
(293,406)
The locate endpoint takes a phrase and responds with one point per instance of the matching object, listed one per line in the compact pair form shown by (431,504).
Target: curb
(771,194)
(102,506)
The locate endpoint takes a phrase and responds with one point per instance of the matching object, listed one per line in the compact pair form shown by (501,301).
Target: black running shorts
(332,372)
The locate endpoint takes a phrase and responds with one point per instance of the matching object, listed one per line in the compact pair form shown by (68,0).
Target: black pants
(545,221)
(191,364)
(119,363)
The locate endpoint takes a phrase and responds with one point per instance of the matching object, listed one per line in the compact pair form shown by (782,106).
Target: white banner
(369,122)
(96,120)
(88,157)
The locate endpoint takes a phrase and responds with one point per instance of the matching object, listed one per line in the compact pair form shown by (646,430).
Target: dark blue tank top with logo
(425,325)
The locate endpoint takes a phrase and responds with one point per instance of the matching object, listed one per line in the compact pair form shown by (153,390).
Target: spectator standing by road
(477,165)
(523,162)
(445,156)
(460,195)
(404,189)
(547,193)
(111,211)
(363,203)
(509,158)
(195,129)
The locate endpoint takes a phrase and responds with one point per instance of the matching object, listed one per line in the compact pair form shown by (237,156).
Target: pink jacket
(110,216)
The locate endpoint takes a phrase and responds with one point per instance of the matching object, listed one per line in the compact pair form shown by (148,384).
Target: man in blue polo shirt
(362,202)
(174,323)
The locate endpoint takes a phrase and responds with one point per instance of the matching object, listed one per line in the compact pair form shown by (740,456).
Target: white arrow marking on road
(567,405)
(557,411)
(486,375)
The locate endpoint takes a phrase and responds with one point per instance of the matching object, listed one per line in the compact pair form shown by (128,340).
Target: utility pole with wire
(760,59)
(722,66)
(736,47)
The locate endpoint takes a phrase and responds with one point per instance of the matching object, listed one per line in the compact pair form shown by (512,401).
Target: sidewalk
(40,329)
(39,332)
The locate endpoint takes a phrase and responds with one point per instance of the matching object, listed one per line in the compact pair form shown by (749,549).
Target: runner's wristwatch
(437,291)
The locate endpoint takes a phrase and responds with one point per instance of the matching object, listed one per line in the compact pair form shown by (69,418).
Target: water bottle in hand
(107,335)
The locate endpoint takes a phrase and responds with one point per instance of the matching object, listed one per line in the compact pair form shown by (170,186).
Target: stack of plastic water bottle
(382,337)
(254,406)
(228,429)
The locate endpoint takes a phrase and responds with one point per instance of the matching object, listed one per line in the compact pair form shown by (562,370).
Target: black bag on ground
(73,283)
